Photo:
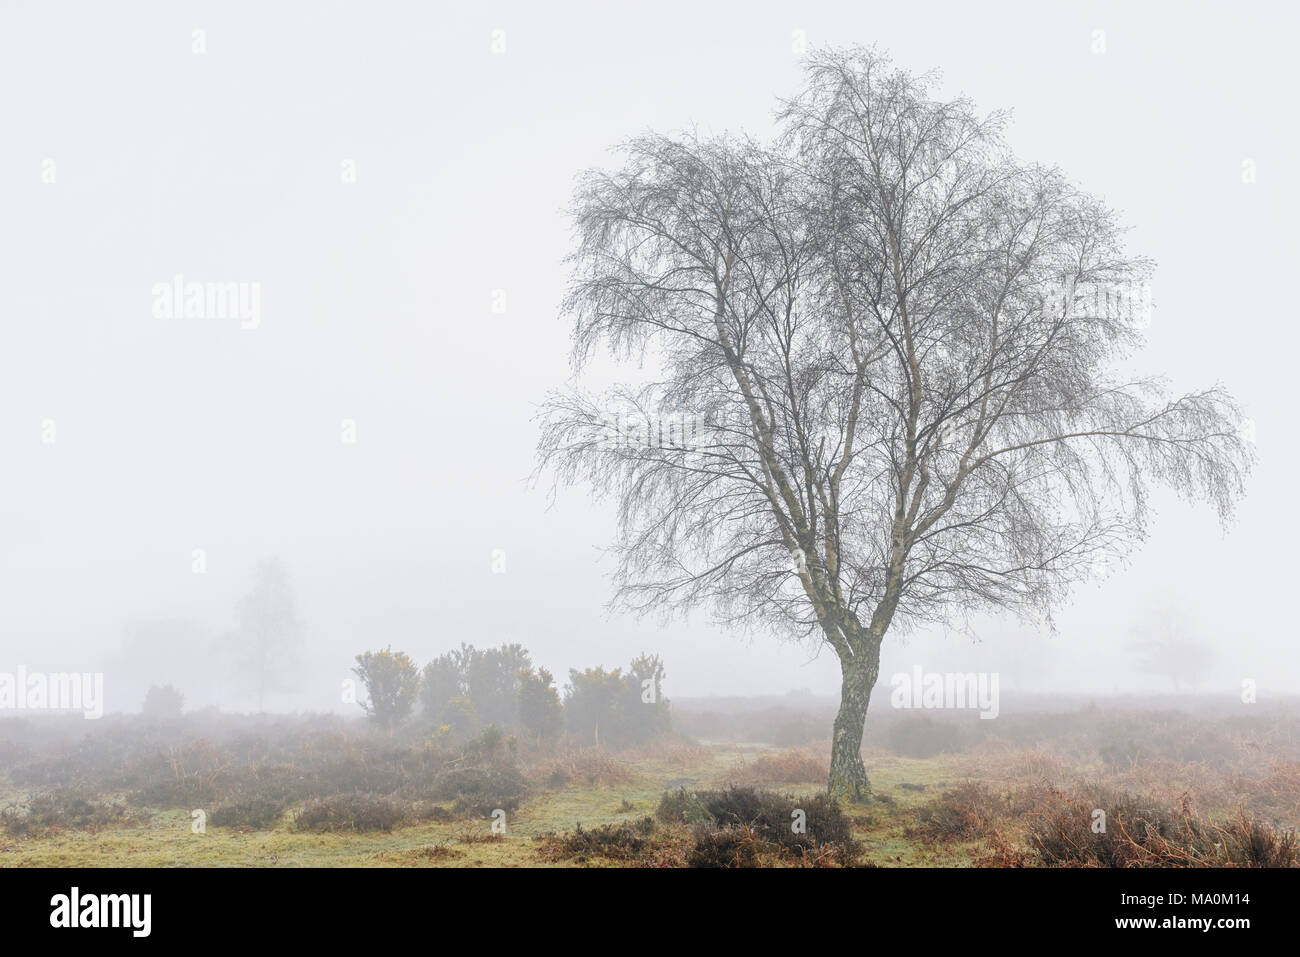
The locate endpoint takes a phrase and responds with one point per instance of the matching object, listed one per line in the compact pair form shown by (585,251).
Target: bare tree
(904,345)
(269,632)
(1168,641)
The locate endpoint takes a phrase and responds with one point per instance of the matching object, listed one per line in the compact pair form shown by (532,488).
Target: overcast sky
(128,441)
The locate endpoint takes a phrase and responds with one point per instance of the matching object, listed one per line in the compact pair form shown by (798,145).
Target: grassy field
(1180,790)
(166,840)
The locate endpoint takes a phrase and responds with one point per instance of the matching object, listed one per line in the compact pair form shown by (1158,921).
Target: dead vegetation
(1177,790)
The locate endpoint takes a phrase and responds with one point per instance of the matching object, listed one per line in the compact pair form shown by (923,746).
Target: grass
(1007,787)
(167,840)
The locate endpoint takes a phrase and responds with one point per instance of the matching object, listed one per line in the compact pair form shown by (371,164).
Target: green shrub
(392,682)
(540,712)
(616,709)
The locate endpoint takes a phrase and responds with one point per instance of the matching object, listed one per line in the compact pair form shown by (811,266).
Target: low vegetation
(1029,790)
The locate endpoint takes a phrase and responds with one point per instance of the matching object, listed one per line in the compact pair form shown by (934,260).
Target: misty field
(736,784)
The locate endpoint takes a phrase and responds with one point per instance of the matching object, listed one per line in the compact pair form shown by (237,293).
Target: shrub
(682,807)
(443,680)
(162,701)
(73,808)
(728,847)
(485,684)
(256,812)
(1140,832)
(391,681)
(590,766)
(492,681)
(540,712)
(623,841)
(458,718)
(614,709)
(963,813)
(772,817)
(351,812)
(481,791)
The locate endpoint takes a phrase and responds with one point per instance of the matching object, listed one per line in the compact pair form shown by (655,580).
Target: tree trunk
(848,774)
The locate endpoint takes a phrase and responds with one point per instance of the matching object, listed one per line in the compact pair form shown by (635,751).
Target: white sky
(376,306)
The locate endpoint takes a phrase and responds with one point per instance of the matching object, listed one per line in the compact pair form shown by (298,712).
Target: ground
(167,841)
(977,803)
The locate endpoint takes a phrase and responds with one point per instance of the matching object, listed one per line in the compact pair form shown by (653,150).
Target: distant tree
(617,708)
(593,704)
(392,682)
(1168,643)
(650,709)
(162,701)
(443,679)
(488,678)
(493,681)
(540,710)
(268,632)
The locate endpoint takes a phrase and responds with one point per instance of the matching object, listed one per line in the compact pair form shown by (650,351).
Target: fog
(395,187)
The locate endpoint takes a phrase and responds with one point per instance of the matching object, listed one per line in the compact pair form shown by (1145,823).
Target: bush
(614,709)
(963,813)
(391,681)
(351,812)
(540,712)
(682,807)
(458,719)
(623,841)
(728,847)
(443,680)
(1140,832)
(74,808)
(590,766)
(162,701)
(468,687)
(481,791)
(492,682)
(771,819)
(257,812)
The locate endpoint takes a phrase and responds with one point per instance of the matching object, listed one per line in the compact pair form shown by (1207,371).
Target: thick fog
(388,184)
